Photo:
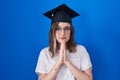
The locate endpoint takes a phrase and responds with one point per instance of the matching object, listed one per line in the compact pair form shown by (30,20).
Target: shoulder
(79,47)
(82,50)
(45,51)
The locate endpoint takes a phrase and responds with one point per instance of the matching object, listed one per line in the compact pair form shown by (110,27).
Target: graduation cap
(61,13)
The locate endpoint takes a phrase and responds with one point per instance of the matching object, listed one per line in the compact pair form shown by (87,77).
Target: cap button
(52,14)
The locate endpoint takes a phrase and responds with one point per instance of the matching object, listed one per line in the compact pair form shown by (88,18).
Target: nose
(62,32)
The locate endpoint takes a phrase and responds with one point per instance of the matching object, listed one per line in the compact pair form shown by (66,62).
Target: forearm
(79,75)
(53,73)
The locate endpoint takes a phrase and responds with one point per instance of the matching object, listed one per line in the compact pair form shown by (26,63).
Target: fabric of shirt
(80,59)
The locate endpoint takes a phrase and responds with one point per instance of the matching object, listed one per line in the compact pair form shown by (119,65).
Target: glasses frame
(66,30)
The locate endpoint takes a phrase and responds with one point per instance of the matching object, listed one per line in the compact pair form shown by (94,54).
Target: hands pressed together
(63,55)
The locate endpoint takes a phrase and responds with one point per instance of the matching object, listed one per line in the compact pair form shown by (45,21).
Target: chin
(60,41)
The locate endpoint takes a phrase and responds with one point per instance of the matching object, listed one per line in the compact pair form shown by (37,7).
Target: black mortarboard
(61,13)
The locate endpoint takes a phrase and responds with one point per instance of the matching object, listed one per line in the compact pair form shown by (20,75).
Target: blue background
(24,32)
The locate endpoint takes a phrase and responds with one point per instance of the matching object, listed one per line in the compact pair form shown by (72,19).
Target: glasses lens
(59,30)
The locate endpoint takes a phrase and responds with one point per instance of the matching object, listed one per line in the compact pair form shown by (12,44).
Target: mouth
(63,38)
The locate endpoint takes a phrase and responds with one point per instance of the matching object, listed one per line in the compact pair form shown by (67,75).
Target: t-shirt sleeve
(41,63)
(85,59)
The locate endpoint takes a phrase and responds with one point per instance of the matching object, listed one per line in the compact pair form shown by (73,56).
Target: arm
(79,75)
(52,74)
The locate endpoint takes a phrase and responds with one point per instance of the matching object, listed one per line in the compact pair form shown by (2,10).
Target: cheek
(68,37)
(56,37)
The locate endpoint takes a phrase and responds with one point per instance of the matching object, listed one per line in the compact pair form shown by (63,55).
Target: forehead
(64,24)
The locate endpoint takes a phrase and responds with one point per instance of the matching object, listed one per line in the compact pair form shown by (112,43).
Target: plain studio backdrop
(24,32)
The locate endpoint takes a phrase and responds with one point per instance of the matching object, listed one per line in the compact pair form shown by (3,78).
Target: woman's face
(62,32)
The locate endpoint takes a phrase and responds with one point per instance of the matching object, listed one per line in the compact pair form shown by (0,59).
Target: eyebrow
(64,27)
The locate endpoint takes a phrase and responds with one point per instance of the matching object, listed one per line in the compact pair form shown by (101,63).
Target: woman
(63,59)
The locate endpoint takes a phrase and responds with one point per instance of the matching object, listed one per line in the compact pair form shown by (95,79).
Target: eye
(67,28)
(58,29)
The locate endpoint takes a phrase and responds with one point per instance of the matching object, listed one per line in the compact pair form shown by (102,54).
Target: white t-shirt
(80,59)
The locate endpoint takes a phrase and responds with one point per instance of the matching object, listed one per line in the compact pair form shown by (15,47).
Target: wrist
(67,62)
(59,62)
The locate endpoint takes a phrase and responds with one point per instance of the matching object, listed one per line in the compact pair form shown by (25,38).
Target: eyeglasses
(59,30)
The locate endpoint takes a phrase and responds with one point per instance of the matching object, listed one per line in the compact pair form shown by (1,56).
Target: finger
(62,47)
